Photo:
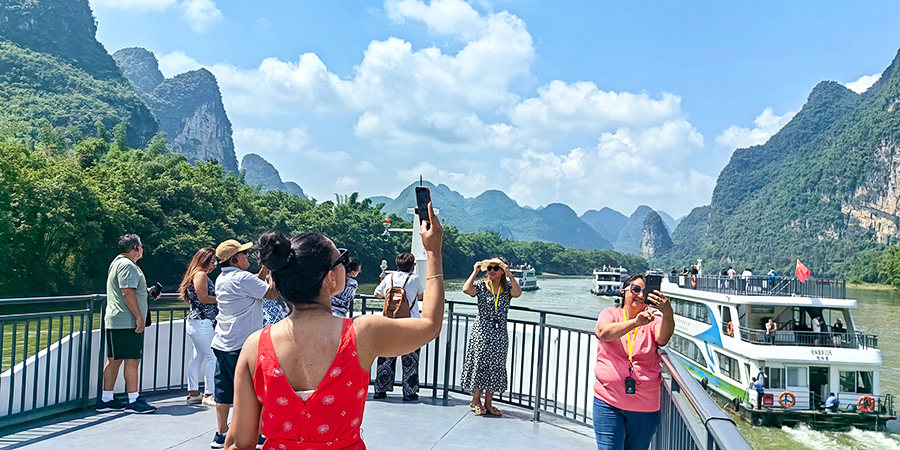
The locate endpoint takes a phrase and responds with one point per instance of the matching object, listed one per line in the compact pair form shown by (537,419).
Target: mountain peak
(140,67)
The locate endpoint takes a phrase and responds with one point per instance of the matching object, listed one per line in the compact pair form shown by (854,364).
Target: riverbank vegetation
(65,200)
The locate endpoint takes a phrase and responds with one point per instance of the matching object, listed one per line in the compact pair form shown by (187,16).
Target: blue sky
(591,104)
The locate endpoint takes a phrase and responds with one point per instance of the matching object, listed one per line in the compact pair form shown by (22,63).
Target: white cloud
(767,124)
(176,63)
(627,168)
(471,182)
(200,14)
(451,17)
(256,140)
(346,182)
(365,167)
(863,83)
(563,107)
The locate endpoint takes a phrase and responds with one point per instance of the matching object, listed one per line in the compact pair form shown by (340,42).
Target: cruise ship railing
(52,354)
(809,338)
(756,285)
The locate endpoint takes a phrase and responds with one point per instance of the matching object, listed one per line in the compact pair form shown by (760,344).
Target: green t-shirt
(124,274)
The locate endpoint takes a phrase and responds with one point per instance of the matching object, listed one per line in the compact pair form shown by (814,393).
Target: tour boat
(525,276)
(608,280)
(721,337)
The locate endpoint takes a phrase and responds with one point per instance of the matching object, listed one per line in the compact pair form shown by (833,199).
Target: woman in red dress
(303,382)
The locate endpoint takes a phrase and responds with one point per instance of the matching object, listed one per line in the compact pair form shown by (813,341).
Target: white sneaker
(208,400)
(194,399)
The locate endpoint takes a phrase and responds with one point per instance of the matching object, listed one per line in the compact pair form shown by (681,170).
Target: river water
(878,312)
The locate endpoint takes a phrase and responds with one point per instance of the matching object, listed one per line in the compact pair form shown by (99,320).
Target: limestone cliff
(655,238)
(259,172)
(189,108)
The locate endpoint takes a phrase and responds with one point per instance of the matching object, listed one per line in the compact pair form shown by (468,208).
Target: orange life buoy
(731,328)
(788,395)
(866,404)
(694,281)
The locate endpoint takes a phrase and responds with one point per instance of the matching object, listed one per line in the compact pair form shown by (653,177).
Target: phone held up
(156,290)
(423,198)
(652,283)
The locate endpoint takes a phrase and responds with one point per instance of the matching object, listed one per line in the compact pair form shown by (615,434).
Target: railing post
(540,369)
(449,352)
(100,357)
(87,343)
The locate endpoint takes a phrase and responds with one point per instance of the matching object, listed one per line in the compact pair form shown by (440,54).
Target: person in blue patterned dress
(200,323)
(485,364)
(340,304)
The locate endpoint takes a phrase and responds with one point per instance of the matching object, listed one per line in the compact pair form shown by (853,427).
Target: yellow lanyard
(631,336)
(496,296)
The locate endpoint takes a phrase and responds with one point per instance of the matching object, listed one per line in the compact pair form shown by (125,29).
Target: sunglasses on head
(495,268)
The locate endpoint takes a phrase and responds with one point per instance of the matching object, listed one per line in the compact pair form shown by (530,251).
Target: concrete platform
(426,424)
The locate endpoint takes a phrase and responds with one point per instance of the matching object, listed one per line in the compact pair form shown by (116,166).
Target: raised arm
(469,285)
(515,290)
(666,327)
(381,336)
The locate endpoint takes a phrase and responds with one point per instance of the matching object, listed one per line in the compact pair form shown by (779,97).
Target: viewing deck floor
(390,423)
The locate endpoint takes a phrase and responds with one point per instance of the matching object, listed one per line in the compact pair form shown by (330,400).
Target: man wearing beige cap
(239,295)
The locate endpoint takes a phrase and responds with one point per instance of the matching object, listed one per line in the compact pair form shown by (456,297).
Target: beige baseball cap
(231,247)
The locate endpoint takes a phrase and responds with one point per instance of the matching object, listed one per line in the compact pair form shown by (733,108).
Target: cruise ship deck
(427,424)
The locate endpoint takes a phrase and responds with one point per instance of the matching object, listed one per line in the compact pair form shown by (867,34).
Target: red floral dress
(330,417)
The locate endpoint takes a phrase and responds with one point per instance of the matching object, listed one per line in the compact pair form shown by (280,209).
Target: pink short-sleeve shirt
(612,367)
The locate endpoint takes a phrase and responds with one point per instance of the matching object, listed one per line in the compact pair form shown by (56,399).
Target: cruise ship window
(858,382)
(796,376)
(688,349)
(774,378)
(729,367)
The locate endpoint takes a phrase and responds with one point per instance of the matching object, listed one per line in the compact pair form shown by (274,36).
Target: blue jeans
(617,429)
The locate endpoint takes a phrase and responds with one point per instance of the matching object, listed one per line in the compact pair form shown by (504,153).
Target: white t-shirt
(239,295)
(413,289)
(817,326)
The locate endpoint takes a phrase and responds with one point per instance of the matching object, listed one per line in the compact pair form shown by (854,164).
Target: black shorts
(124,343)
(226,364)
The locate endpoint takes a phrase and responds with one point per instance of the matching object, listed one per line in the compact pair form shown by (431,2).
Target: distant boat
(608,280)
(526,277)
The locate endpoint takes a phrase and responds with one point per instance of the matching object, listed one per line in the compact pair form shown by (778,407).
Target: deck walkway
(426,424)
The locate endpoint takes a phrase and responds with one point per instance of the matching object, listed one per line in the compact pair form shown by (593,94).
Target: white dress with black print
(485,364)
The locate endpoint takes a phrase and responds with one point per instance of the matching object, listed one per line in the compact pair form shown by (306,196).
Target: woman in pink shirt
(627,374)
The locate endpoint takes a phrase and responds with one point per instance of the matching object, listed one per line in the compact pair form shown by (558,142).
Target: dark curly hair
(298,263)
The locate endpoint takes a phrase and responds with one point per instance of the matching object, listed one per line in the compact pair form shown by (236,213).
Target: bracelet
(440,275)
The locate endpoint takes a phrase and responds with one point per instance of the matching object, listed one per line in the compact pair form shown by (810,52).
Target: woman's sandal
(494,411)
(479,410)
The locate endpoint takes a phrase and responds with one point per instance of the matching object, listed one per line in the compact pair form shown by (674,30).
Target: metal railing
(809,338)
(550,365)
(762,285)
(550,371)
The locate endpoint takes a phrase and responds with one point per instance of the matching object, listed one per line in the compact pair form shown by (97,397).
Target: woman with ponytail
(304,380)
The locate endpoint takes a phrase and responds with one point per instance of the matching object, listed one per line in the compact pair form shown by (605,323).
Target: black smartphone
(155,290)
(423,198)
(652,283)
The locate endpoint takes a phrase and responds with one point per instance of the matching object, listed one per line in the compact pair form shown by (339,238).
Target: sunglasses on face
(636,289)
(494,268)
(343,259)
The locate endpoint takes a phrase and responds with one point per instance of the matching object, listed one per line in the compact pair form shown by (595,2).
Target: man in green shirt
(126,308)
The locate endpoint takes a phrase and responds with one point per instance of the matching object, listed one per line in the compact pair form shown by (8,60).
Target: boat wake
(854,439)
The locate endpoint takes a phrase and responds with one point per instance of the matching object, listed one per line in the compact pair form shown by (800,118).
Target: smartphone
(423,198)
(652,283)
(156,290)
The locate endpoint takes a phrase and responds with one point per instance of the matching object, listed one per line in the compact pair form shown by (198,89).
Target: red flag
(802,272)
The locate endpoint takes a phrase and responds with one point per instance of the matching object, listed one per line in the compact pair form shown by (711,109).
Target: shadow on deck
(428,424)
